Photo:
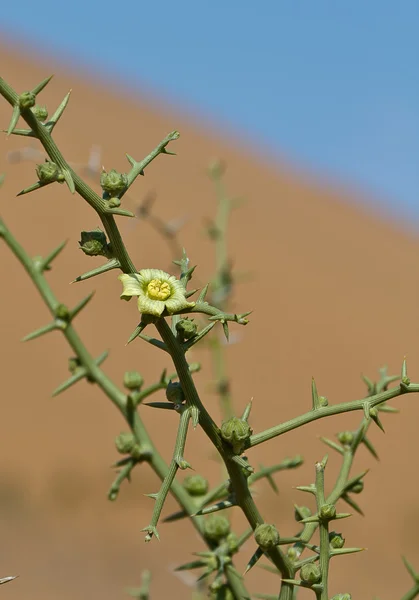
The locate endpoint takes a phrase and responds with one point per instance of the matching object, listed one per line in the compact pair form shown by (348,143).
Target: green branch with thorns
(163,302)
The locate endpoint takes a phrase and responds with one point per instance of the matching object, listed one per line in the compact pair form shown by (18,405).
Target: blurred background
(313,108)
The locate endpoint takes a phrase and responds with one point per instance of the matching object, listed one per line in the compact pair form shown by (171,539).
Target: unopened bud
(49,172)
(113,183)
(310,574)
(327,512)
(114,202)
(133,380)
(186,328)
(40,112)
(266,536)
(346,438)
(216,527)
(174,392)
(27,100)
(125,442)
(93,243)
(236,432)
(196,485)
(336,540)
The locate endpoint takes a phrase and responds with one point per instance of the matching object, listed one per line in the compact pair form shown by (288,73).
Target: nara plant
(183,317)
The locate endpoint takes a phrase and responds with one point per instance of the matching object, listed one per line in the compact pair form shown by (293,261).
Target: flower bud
(327,512)
(301,512)
(357,487)
(27,100)
(310,573)
(195,485)
(216,527)
(236,432)
(293,554)
(125,442)
(62,312)
(186,328)
(323,401)
(136,452)
(74,365)
(232,543)
(174,392)
(336,540)
(49,172)
(93,243)
(114,202)
(113,183)
(133,380)
(40,112)
(346,438)
(266,536)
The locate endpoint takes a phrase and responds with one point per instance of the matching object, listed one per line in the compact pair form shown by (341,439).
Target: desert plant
(166,303)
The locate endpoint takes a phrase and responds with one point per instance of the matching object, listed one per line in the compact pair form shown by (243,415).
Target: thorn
(111,264)
(38,332)
(81,305)
(45,262)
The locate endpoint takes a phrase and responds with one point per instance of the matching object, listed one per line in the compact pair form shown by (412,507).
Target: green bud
(62,312)
(301,512)
(195,485)
(186,328)
(174,392)
(293,554)
(236,432)
(357,487)
(136,452)
(40,112)
(93,243)
(323,401)
(113,183)
(342,597)
(133,380)
(266,536)
(346,438)
(125,442)
(216,527)
(74,365)
(114,202)
(336,540)
(27,100)
(49,172)
(310,573)
(232,543)
(327,512)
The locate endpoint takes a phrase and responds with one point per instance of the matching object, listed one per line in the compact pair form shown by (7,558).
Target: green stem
(328,411)
(117,397)
(411,594)
(324,532)
(237,478)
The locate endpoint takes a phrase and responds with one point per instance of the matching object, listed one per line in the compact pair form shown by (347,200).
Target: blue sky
(331,86)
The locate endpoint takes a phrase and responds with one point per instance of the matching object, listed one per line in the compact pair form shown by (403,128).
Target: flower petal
(147,306)
(148,275)
(177,303)
(131,285)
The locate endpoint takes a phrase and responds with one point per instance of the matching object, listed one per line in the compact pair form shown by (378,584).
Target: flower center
(158,289)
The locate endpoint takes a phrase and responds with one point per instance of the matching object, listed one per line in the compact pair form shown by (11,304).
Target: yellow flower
(156,291)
